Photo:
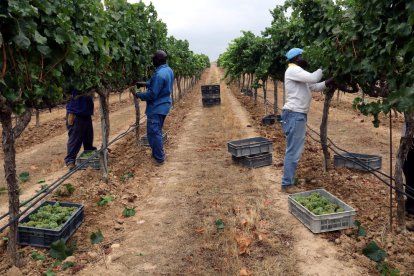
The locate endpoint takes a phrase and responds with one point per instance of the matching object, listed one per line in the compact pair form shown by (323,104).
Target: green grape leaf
(219,224)
(24,176)
(22,41)
(96,237)
(67,265)
(361,231)
(129,212)
(59,250)
(374,252)
(39,38)
(37,256)
(44,50)
(49,272)
(104,200)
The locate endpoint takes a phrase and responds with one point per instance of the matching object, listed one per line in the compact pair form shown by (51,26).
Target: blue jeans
(155,123)
(294,127)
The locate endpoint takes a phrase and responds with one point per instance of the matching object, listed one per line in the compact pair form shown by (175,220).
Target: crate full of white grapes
(49,222)
(320,211)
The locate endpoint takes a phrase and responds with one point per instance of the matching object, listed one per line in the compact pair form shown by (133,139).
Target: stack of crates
(252,152)
(210,95)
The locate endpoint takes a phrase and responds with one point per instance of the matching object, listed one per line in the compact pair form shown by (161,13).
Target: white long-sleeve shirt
(298,86)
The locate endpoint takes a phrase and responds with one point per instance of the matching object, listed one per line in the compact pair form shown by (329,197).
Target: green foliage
(41,181)
(361,232)
(67,190)
(104,200)
(50,216)
(60,251)
(24,176)
(129,212)
(37,256)
(386,270)
(3,190)
(67,265)
(363,44)
(374,252)
(127,176)
(49,272)
(219,224)
(43,188)
(96,237)
(318,204)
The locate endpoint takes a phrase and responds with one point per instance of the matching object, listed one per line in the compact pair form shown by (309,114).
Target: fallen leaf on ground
(243,243)
(245,272)
(199,231)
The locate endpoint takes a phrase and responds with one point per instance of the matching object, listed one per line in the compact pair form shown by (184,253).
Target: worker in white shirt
(298,86)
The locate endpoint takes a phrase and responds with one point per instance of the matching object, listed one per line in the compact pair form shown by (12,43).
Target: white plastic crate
(322,223)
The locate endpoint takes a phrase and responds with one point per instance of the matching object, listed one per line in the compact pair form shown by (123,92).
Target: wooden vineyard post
(324,126)
(8,141)
(37,118)
(275,82)
(105,127)
(405,144)
(391,191)
(137,116)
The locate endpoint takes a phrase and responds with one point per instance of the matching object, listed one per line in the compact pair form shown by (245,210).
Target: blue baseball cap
(294,52)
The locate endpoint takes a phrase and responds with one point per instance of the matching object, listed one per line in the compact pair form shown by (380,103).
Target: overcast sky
(209,25)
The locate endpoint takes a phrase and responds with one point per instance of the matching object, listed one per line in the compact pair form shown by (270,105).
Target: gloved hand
(330,82)
(141,84)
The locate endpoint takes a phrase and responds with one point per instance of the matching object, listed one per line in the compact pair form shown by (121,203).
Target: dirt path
(45,160)
(174,231)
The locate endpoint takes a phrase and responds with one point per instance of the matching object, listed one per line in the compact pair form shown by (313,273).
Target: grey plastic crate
(279,118)
(211,96)
(269,119)
(249,146)
(210,89)
(248,92)
(363,162)
(211,102)
(255,161)
(94,163)
(144,139)
(322,223)
(40,237)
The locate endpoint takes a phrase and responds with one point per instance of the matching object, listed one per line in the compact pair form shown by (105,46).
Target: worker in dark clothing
(408,169)
(79,111)
(409,180)
(158,98)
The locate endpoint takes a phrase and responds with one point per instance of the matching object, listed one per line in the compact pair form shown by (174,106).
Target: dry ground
(174,230)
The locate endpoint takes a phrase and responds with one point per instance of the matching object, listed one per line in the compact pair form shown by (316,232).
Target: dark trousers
(408,169)
(154,133)
(80,133)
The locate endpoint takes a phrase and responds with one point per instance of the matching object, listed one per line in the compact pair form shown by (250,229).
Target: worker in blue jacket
(158,98)
(79,111)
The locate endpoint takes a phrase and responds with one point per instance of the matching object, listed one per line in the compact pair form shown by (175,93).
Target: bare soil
(177,205)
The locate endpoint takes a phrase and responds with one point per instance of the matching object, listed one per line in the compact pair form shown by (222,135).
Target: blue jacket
(159,89)
(81,106)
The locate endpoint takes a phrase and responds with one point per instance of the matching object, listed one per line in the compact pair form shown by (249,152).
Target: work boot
(410,225)
(70,166)
(289,189)
(157,163)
